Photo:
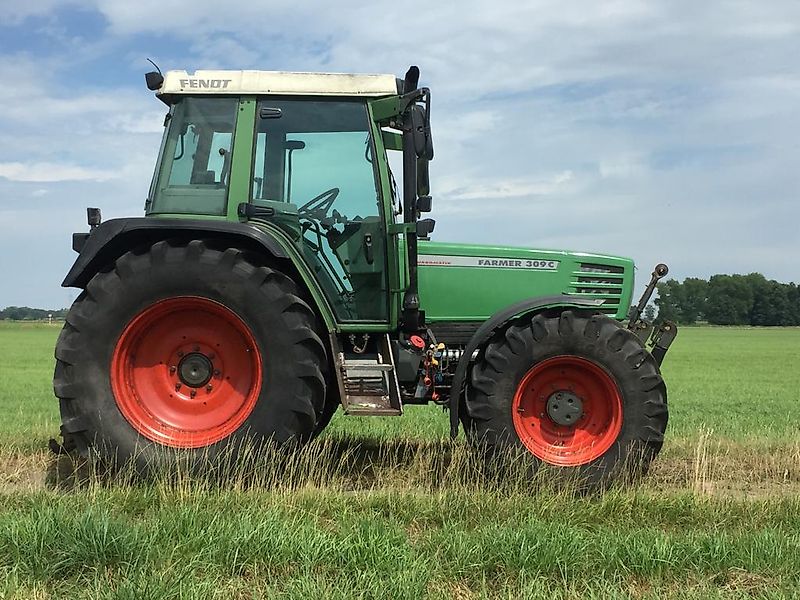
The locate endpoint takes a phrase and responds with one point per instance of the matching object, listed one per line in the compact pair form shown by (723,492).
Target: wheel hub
(564,407)
(195,369)
(567,410)
(186,372)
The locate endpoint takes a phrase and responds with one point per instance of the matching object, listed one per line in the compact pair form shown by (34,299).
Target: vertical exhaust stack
(416,140)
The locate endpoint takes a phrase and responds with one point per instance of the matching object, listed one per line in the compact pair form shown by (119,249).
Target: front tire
(574,391)
(189,349)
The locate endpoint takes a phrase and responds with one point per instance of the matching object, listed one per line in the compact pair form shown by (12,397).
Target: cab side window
(196,172)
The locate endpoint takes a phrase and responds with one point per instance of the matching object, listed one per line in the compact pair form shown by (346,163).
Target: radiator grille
(604,282)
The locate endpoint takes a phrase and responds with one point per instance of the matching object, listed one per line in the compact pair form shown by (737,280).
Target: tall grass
(390,521)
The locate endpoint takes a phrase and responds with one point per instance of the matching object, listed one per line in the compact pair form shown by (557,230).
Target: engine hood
(469,282)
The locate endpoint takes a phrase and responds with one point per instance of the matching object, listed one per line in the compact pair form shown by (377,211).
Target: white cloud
(52,172)
(15,12)
(144,122)
(509,188)
(622,166)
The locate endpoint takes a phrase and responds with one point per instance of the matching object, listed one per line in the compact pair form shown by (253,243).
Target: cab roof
(278,83)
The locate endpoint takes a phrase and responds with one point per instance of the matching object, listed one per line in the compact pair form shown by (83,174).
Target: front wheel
(574,391)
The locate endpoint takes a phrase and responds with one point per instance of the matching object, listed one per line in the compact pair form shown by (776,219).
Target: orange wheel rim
(567,411)
(186,372)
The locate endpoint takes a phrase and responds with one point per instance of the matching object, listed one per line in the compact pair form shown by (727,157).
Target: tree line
(26,313)
(729,300)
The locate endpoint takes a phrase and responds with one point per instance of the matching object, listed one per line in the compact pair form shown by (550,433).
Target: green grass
(718,517)
(313,543)
(743,383)
(30,411)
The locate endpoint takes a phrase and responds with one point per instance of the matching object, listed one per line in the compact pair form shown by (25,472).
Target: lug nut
(209,388)
(177,387)
(173,369)
(180,353)
(196,348)
(216,372)
(193,393)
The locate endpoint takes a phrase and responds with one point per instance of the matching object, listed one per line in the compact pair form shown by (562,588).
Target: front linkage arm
(658,338)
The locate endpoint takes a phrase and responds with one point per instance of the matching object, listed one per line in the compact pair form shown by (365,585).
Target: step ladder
(368,383)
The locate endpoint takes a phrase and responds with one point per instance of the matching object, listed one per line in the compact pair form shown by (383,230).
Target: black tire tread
(576,333)
(274,286)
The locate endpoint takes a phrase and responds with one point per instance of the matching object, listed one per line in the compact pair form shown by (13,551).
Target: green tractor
(278,275)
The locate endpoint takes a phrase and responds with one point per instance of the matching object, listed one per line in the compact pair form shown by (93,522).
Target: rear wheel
(328,411)
(188,349)
(574,391)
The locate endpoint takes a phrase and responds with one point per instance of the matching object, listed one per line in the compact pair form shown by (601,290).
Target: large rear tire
(575,391)
(184,352)
(328,411)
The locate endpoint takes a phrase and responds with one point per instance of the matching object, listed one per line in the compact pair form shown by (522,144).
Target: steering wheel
(318,206)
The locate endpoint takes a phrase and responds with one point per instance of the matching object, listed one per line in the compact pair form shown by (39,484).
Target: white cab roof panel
(277,82)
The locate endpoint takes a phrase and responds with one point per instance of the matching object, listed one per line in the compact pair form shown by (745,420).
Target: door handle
(368,251)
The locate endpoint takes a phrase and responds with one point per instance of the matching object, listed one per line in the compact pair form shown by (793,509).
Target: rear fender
(111,239)
(494,324)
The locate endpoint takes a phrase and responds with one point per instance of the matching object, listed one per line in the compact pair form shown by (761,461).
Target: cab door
(314,163)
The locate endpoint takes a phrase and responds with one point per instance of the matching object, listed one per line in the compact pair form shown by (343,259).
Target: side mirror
(423,144)
(423,178)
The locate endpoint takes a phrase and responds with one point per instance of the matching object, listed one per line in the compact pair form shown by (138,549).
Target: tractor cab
(300,152)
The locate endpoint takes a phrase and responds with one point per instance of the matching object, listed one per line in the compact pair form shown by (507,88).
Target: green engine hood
(466,282)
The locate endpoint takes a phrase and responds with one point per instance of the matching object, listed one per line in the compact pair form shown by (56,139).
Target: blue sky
(664,130)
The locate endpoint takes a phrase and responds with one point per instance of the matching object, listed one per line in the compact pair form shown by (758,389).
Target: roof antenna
(154,79)
(156,66)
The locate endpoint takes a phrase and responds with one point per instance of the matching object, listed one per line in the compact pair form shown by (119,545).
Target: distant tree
(25,313)
(759,287)
(693,300)
(15,313)
(771,305)
(670,296)
(730,300)
(793,296)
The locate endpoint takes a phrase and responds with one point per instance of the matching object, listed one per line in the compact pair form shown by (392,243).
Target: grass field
(388,508)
